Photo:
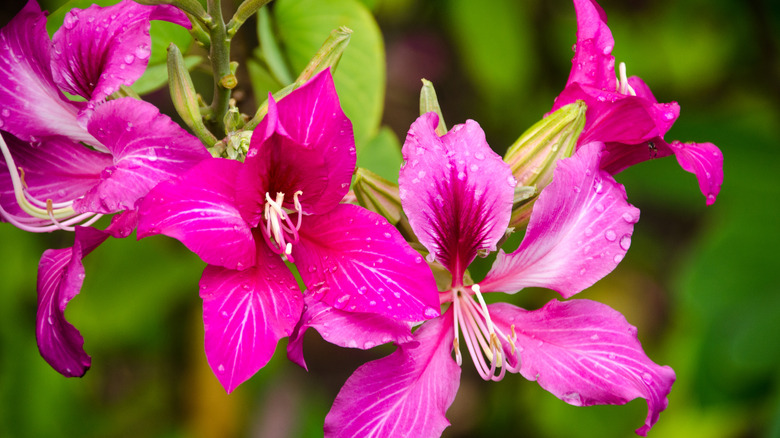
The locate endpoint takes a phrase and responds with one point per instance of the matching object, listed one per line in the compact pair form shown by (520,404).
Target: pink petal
(245,313)
(593,63)
(100,48)
(304,143)
(32,106)
(585,353)
(705,161)
(147,146)
(60,170)
(353,259)
(404,394)
(199,209)
(345,329)
(579,231)
(456,192)
(60,276)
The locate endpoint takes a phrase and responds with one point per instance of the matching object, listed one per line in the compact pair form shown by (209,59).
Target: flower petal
(60,170)
(245,313)
(199,209)
(456,192)
(585,353)
(60,276)
(353,259)
(148,147)
(405,393)
(579,231)
(345,329)
(32,106)
(593,63)
(705,161)
(100,48)
(304,143)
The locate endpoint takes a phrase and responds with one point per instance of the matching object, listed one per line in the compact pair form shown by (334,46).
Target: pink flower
(457,194)
(623,113)
(51,180)
(282,203)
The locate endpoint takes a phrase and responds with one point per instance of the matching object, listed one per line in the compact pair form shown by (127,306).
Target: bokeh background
(700,283)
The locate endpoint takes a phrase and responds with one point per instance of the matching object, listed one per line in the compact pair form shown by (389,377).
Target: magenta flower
(50,179)
(458,195)
(282,203)
(623,113)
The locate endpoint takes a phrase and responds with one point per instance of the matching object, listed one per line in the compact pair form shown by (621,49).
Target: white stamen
(623,86)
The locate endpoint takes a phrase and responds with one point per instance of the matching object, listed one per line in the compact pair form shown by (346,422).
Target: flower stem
(219,52)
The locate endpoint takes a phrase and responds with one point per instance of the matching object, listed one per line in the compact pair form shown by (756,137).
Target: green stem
(220,62)
(245,10)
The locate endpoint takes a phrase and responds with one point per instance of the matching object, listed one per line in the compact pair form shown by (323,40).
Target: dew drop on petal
(610,235)
(224,314)
(221,369)
(628,217)
(479,156)
(600,208)
(388,235)
(461,175)
(474,168)
(430,312)
(511,181)
(418,259)
(129,58)
(588,232)
(6,112)
(625,242)
(647,378)
(152,155)
(372,303)
(369,344)
(618,258)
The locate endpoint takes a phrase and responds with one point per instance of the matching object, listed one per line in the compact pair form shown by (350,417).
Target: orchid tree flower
(622,111)
(457,194)
(282,204)
(67,163)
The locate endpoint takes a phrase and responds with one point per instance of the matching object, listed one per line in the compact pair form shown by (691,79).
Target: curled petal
(345,329)
(456,192)
(199,210)
(585,353)
(353,259)
(147,148)
(245,313)
(33,108)
(593,63)
(405,393)
(305,143)
(705,161)
(60,277)
(100,48)
(579,231)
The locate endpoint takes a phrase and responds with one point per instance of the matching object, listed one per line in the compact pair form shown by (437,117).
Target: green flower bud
(429,102)
(184,97)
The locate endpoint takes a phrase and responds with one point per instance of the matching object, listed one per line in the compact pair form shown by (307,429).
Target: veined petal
(705,161)
(60,170)
(32,107)
(585,353)
(100,48)
(147,146)
(199,209)
(304,143)
(593,63)
(456,192)
(353,259)
(579,231)
(345,329)
(245,313)
(405,393)
(60,276)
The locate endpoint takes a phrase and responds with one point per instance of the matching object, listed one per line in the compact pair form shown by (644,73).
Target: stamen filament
(624,87)
(279,231)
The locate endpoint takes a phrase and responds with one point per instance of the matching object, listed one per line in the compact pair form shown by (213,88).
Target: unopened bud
(430,103)
(184,97)
(377,194)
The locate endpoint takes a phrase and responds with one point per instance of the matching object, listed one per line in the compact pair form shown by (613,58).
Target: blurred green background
(699,282)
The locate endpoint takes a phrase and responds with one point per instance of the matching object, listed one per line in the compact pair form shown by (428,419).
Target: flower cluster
(287,246)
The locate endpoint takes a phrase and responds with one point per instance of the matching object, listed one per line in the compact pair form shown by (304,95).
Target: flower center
(487,344)
(44,216)
(623,86)
(279,231)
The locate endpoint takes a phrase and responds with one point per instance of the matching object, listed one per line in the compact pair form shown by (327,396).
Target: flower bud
(377,194)
(534,155)
(429,102)
(184,97)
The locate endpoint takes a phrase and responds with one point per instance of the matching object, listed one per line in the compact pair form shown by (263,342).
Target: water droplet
(461,175)
(511,181)
(628,217)
(312,268)
(669,116)
(152,155)
(221,369)
(612,356)
(600,208)
(474,168)
(418,259)
(647,378)
(50,321)
(421,174)
(224,314)
(625,242)
(607,50)
(70,20)
(588,232)
(372,303)
(251,152)
(369,344)
(352,343)
(594,338)
(610,235)
(479,156)
(6,112)
(142,52)
(362,290)
(341,302)
(572,398)
(129,58)
(388,235)
(583,271)
(430,312)
(576,189)
(618,258)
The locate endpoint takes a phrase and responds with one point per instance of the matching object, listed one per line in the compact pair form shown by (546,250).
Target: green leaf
(382,155)
(303,26)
